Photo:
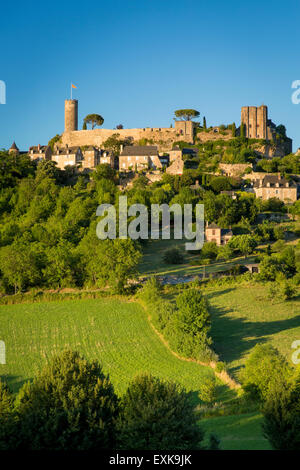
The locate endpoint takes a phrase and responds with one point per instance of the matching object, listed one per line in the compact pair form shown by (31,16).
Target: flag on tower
(72,86)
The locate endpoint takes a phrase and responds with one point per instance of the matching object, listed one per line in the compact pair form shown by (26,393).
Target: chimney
(279,175)
(121,148)
(39,147)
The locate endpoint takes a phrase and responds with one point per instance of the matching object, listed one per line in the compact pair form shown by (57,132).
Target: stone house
(177,152)
(91,157)
(67,156)
(139,157)
(176,167)
(108,157)
(40,152)
(218,235)
(276,186)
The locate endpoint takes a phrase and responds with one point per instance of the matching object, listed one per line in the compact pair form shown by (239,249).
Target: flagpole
(71,90)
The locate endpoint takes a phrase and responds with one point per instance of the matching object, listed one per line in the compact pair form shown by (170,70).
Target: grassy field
(152,261)
(115,332)
(242,432)
(244,316)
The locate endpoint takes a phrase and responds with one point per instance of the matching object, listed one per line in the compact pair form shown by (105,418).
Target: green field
(241,432)
(243,316)
(152,261)
(115,332)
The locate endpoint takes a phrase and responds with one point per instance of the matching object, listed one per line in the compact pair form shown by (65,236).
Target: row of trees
(72,405)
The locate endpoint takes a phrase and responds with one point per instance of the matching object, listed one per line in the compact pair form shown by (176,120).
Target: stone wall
(161,136)
(234,169)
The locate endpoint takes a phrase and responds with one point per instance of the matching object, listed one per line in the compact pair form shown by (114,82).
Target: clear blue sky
(136,61)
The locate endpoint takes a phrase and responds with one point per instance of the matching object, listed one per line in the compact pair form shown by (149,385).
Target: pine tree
(233,127)
(204,122)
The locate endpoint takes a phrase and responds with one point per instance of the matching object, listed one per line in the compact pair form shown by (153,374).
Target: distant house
(275,186)
(196,187)
(185,152)
(231,194)
(91,157)
(14,149)
(108,157)
(176,167)
(139,157)
(218,235)
(40,152)
(67,156)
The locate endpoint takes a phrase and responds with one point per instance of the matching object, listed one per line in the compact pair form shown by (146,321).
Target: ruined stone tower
(71,115)
(255,121)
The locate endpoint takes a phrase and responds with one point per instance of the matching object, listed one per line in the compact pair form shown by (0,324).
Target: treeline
(48,230)
(72,405)
(185,325)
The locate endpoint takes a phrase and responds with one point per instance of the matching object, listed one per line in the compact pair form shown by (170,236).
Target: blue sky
(136,61)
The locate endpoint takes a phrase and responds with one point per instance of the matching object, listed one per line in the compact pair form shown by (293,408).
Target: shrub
(208,391)
(281,425)
(173,256)
(264,366)
(157,415)
(70,405)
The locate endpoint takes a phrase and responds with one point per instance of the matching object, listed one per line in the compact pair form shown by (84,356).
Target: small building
(231,194)
(139,157)
(67,156)
(276,186)
(218,235)
(176,167)
(91,157)
(108,157)
(14,149)
(196,187)
(178,152)
(40,152)
(252,267)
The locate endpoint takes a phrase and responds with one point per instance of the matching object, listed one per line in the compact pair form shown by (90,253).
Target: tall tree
(70,405)
(94,120)
(157,415)
(187,114)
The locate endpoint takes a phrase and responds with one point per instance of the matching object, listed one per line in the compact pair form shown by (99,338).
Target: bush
(208,391)
(281,425)
(173,256)
(264,366)
(157,415)
(70,405)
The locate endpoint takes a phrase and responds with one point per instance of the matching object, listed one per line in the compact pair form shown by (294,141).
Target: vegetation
(94,120)
(157,415)
(186,114)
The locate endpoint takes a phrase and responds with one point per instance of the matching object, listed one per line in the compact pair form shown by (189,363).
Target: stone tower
(255,121)
(71,115)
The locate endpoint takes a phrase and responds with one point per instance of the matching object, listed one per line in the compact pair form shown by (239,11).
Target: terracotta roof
(139,150)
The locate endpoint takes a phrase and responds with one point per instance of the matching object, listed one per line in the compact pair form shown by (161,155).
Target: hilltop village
(236,152)
(123,300)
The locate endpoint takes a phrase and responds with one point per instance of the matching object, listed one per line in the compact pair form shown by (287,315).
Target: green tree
(186,114)
(8,419)
(264,367)
(157,415)
(233,129)
(70,405)
(208,390)
(204,122)
(281,424)
(94,120)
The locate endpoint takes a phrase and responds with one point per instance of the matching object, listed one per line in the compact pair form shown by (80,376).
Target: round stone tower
(71,115)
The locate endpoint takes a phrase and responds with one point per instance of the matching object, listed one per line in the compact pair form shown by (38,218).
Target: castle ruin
(163,137)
